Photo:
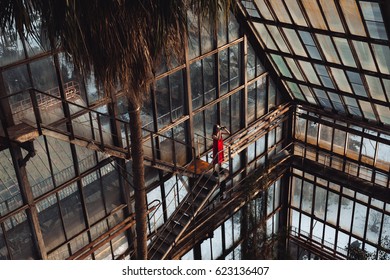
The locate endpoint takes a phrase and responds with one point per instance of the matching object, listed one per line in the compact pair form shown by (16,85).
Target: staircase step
(174,228)
(161,246)
(154,255)
(183,219)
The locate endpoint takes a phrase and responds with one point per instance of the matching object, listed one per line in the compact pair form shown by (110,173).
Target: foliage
(120,41)
(356,253)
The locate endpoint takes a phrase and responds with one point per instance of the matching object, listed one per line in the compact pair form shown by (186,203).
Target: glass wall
(75,187)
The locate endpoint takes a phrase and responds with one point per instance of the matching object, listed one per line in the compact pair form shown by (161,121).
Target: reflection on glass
(352,106)
(314,13)
(357,83)
(352,16)
(344,51)
(336,101)
(11,47)
(193,35)
(332,16)
(264,9)
(308,94)
(49,215)
(294,68)
(326,44)
(359,219)
(294,42)
(382,55)
(71,209)
(346,213)
(280,11)
(310,44)
(373,17)
(364,53)
(309,72)
(278,38)
(367,110)
(265,36)
(296,12)
(307,196)
(375,87)
(323,98)
(332,208)
(320,203)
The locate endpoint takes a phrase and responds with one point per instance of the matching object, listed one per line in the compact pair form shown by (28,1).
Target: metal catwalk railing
(90,128)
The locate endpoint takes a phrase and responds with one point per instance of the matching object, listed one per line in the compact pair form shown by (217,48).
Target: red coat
(218,156)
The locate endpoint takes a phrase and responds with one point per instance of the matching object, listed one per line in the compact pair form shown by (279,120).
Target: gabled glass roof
(332,54)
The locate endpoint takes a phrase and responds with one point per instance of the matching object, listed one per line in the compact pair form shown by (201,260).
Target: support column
(21,175)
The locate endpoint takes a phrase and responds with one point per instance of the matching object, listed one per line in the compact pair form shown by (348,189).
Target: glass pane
(196,88)
(193,38)
(309,72)
(264,9)
(346,213)
(341,79)
(206,36)
(375,87)
(278,38)
(308,94)
(367,110)
(374,20)
(314,13)
(71,210)
(326,44)
(307,196)
(352,106)
(233,28)
(357,83)
(364,54)
(332,208)
(10,197)
(352,16)
(359,219)
(344,51)
(339,141)
(11,47)
(325,137)
(280,11)
(283,68)
(49,217)
(19,237)
(320,203)
(265,36)
(384,113)
(310,44)
(294,42)
(332,16)
(382,55)
(234,66)
(377,30)
(295,11)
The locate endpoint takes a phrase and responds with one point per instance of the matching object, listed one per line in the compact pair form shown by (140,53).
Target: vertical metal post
(100,132)
(153,148)
(37,113)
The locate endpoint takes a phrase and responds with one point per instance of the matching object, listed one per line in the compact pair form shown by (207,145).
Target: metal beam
(370,189)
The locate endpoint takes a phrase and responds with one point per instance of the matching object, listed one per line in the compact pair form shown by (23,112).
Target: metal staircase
(84,126)
(200,193)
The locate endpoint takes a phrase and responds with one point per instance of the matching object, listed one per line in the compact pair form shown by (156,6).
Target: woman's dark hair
(216,129)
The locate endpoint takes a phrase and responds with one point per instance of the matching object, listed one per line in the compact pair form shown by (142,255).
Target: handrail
(175,214)
(99,140)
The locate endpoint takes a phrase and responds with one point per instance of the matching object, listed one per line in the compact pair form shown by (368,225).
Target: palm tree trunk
(137,155)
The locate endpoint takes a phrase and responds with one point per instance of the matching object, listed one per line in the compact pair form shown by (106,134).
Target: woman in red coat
(218,153)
